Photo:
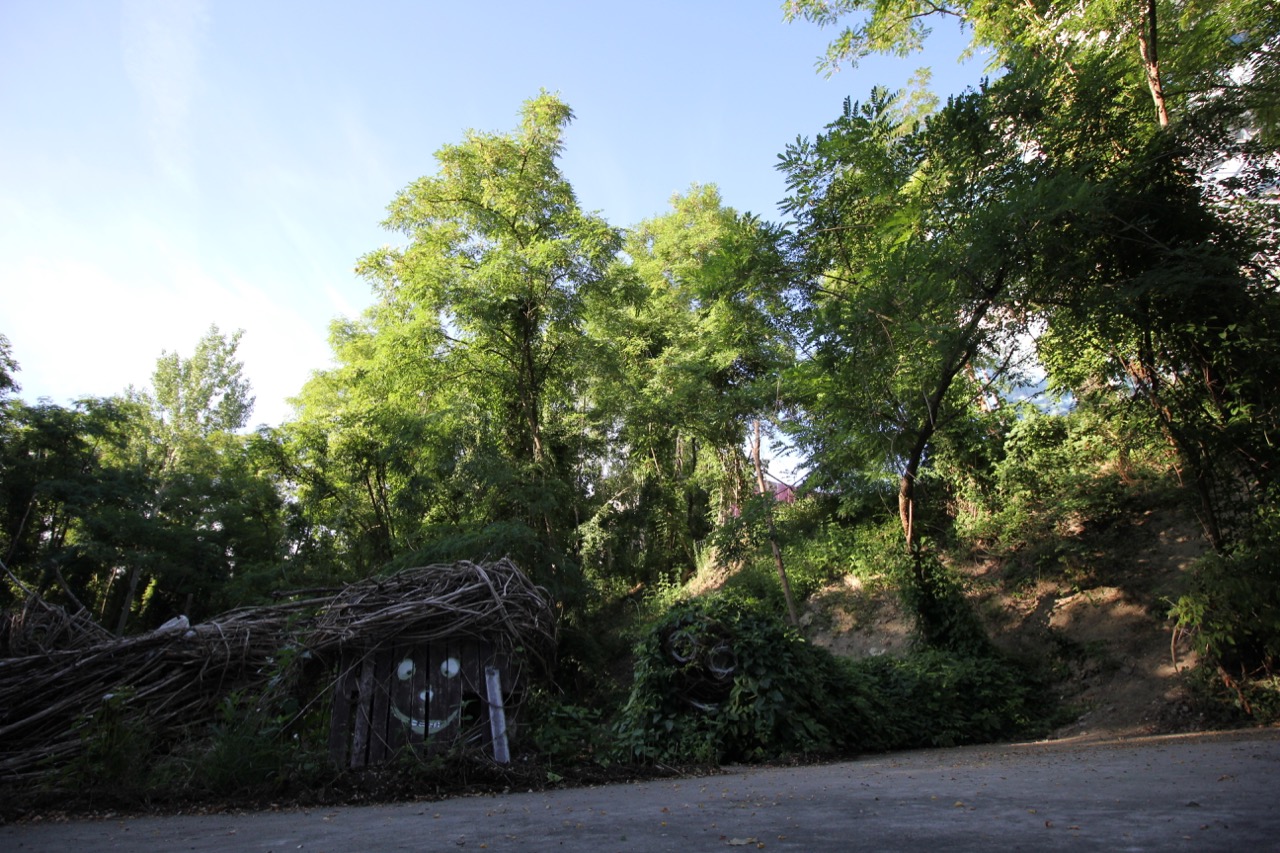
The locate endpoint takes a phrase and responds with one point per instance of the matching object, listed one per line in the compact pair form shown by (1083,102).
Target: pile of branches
(485,601)
(38,627)
(57,673)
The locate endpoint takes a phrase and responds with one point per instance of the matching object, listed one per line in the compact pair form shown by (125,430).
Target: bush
(1232,612)
(119,750)
(720,679)
(1060,471)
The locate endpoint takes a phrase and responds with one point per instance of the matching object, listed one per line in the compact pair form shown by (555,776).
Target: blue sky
(168,164)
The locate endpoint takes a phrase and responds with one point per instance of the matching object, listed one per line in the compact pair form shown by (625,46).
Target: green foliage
(816,550)
(691,353)
(1234,701)
(204,394)
(1232,612)
(720,679)
(255,747)
(917,241)
(945,620)
(145,506)
(8,367)
(1212,43)
(252,746)
(776,701)
(1062,471)
(1072,213)
(118,755)
(868,551)
(460,418)
(562,732)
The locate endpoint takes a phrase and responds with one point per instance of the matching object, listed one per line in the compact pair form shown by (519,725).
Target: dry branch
(58,669)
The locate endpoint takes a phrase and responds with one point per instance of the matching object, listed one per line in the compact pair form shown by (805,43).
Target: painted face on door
(416,718)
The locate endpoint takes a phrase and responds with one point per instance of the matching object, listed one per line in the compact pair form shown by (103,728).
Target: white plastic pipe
(497,715)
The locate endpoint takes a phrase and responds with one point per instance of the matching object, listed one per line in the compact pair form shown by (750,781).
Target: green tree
(374,454)
(182,441)
(460,409)
(196,397)
(140,507)
(693,351)
(499,262)
(8,367)
(919,240)
(52,487)
(1158,275)
(1182,53)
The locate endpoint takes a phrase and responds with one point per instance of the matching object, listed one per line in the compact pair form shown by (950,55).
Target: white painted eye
(450,668)
(405,670)
(422,697)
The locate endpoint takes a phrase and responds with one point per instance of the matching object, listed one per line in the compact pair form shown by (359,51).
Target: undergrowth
(1232,615)
(723,679)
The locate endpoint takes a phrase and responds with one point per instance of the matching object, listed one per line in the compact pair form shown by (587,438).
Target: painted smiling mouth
(425,727)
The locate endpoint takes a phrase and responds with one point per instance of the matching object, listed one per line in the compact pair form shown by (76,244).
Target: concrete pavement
(1191,792)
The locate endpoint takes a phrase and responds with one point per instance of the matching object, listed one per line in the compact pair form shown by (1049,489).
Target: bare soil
(1095,608)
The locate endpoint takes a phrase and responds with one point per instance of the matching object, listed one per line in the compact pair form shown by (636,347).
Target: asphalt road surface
(1191,792)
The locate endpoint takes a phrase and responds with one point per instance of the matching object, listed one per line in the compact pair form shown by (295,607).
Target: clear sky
(170,164)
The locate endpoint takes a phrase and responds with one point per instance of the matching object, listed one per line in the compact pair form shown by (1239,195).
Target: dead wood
(58,669)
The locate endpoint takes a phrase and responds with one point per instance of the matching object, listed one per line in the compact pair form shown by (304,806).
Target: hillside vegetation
(1024,344)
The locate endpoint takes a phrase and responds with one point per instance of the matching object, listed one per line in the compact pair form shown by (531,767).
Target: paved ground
(1198,792)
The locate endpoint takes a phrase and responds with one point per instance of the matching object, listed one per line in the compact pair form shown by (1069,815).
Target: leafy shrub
(723,679)
(560,731)
(1232,611)
(1059,470)
(119,748)
(945,620)
(248,753)
(816,552)
(770,695)
(1232,615)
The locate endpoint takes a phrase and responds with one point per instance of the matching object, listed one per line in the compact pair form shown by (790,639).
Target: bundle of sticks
(59,669)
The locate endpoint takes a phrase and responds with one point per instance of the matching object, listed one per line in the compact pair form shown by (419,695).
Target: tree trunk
(135,574)
(1149,48)
(773,531)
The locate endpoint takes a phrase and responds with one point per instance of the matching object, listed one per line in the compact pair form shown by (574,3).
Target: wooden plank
(444,696)
(452,674)
(419,685)
(345,693)
(400,722)
(436,711)
(381,706)
(471,654)
(473,727)
(364,691)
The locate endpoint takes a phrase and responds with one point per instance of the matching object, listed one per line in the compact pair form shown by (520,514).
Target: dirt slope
(1096,610)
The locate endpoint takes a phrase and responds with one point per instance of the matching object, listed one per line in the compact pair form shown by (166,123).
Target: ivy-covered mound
(719,679)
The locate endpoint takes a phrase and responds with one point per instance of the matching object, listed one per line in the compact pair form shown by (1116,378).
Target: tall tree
(918,240)
(470,371)
(375,452)
(499,261)
(182,441)
(1179,51)
(1152,119)
(8,367)
(204,394)
(694,352)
